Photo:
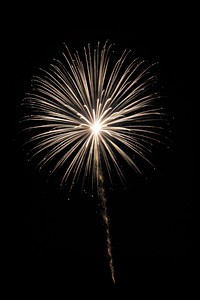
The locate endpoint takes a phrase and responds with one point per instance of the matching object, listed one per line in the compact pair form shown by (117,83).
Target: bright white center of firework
(96,128)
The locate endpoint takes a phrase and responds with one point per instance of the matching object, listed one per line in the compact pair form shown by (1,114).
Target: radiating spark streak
(87,111)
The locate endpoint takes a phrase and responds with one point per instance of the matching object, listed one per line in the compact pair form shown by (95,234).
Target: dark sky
(53,239)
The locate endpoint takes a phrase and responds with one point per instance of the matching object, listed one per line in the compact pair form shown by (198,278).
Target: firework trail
(85,112)
(103,207)
(104,213)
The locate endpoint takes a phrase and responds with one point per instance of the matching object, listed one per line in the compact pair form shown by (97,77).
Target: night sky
(56,239)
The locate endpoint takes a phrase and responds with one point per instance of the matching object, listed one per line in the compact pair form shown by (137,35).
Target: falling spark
(86,111)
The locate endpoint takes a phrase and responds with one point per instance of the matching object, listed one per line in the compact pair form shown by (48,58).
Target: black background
(54,243)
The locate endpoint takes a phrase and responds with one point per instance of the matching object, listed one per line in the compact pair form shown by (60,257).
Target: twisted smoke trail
(104,213)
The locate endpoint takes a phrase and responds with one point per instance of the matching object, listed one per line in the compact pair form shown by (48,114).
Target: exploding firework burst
(86,111)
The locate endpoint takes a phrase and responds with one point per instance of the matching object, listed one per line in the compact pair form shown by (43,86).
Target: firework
(89,109)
